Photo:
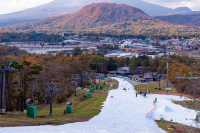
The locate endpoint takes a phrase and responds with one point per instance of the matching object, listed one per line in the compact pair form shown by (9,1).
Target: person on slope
(155,100)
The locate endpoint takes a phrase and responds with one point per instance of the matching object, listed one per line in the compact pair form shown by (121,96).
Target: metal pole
(51,88)
(3,88)
(1,85)
(3,93)
(76,90)
(50,107)
(159,82)
(167,73)
(167,65)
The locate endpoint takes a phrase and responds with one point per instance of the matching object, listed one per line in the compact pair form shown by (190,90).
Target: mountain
(183,10)
(58,7)
(90,16)
(55,8)
(146,28)
(151,9)
(100,14)
(187,19)
(107,18)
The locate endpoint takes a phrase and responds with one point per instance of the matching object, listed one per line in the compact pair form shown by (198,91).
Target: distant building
(124,71)
(148,77)
(140,70)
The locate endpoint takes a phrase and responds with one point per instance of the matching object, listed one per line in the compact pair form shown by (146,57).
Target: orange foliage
(178,69)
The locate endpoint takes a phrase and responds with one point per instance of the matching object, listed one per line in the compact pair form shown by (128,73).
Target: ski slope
(123,112)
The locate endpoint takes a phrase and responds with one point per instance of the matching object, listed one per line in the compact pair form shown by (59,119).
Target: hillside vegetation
(107,18)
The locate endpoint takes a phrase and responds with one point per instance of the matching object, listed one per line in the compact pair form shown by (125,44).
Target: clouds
(193,4)
(7,6)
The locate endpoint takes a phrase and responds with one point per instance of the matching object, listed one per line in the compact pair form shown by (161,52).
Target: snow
(123,112)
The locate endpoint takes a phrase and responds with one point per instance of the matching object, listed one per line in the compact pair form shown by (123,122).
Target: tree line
(33,73)
(30,37)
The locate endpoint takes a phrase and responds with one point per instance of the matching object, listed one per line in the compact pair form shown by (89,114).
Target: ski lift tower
(4,87)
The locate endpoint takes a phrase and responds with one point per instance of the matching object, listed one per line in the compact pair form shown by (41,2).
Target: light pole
(3,92)
(51,89)
(3,87)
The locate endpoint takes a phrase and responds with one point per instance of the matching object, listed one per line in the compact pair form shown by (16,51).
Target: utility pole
(167,66)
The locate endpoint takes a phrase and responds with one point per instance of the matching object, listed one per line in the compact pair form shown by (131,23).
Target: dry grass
(171,127)
(82,111)
(191,104)
(153,87)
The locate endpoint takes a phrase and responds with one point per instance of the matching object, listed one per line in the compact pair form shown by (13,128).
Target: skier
(145,94)
(155,100)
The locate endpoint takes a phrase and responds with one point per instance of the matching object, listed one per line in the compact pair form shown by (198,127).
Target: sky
(193,4)
(9,6)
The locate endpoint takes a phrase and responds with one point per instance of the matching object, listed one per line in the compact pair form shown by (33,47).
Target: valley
(105,66)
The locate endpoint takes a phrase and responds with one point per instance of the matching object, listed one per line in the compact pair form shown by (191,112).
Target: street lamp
(51,90)
(3,87)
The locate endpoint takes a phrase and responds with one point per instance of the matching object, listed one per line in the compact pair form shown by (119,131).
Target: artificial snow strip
(123,112)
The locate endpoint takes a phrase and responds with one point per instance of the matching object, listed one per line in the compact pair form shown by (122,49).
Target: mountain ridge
(93,15)
(60,7)
(107,18)
(187,19)
(54,8)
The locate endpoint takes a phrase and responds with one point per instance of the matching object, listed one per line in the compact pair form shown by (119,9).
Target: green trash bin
(69,109)
(91,90)
(88,94)
(32,111)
